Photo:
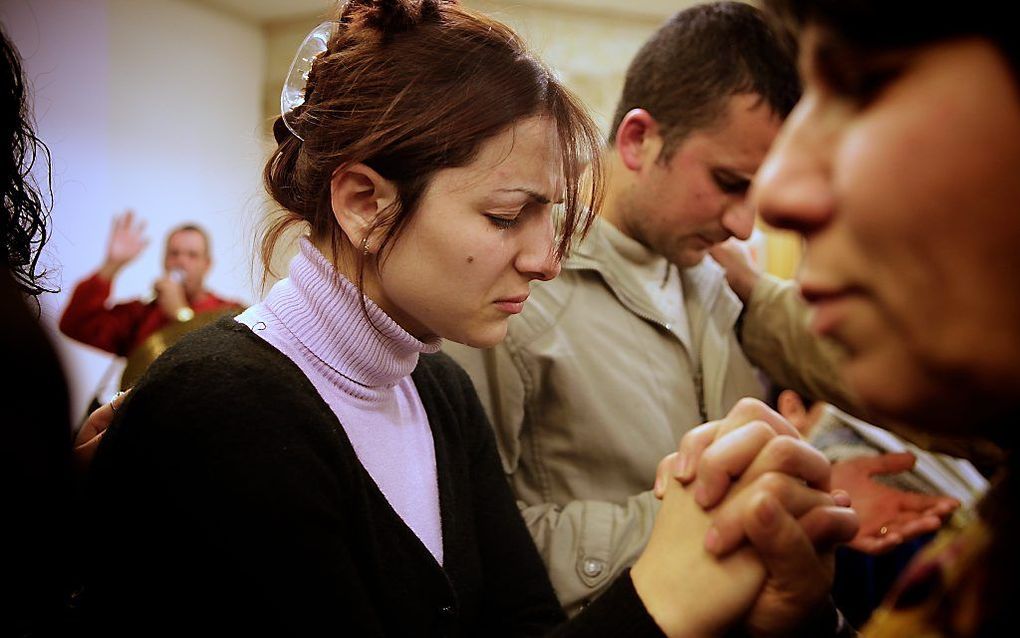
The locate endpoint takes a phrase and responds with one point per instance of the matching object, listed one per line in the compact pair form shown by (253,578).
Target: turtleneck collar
(323,311)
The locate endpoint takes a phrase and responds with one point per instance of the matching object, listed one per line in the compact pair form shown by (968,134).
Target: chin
(902,393)
(690,258)
(485,336)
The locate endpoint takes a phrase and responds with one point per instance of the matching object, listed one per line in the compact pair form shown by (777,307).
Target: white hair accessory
(293,94)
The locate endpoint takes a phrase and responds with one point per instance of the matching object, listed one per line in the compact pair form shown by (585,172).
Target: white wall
(149,104)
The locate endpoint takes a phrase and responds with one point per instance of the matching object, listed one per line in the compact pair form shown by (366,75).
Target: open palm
(888,516)
(127,239)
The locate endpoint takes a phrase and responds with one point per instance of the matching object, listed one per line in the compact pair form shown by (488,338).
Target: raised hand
(888,516)
(127,240)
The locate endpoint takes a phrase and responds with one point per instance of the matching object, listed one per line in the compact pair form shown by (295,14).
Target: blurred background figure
(141,329)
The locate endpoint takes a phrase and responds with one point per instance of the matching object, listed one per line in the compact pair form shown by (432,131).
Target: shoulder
(222,373)
(221,397)
(225,351)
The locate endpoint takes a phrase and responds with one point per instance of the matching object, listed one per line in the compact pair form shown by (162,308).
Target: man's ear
(359,195)
(638,141)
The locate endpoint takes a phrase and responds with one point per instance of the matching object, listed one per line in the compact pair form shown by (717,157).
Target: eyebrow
(536,196)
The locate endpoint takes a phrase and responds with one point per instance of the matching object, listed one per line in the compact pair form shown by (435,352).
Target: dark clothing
(229,499)
(123,327)
(36,454)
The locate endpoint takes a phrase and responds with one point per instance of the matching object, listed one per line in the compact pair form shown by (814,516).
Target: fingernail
(683,467)
(766,513)
(700,495)
(712,540)
(657,488)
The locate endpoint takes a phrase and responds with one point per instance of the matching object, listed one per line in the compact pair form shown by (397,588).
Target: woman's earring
(364,247)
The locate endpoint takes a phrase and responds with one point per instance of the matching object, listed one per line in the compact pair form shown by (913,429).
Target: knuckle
(761,429)
(784,453)
(750,405)
(775,483)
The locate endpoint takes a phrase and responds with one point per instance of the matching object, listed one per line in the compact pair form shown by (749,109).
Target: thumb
(796,571)
(780,541)
(891,463)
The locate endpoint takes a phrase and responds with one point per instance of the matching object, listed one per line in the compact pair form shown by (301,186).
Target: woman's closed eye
(505,220)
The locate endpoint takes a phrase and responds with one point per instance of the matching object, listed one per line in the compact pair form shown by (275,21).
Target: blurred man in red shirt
(180,292)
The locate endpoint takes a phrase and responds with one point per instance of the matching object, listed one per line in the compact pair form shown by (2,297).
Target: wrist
(825,621)
(109,270)
(657,596)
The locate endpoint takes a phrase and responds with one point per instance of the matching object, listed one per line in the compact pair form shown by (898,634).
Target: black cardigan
(229,500)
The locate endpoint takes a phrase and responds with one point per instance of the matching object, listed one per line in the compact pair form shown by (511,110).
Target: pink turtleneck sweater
(314,317)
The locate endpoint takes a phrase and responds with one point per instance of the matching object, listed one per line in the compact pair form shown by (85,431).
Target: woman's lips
(512,305)
(829,307)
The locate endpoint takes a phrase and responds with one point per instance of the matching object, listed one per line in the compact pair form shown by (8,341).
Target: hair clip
(293,94)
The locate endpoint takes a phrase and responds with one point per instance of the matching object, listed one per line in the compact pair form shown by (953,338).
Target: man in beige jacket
(640,339)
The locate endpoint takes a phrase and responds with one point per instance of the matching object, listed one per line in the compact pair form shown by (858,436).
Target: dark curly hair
(26,209)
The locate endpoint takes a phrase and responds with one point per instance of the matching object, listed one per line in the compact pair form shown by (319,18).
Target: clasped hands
(747,531)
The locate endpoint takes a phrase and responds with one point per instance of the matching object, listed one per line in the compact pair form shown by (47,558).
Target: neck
(196,296)
(370,283)
(618,187)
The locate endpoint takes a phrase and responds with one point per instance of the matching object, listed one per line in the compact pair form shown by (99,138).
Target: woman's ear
(638,141)
(359,195)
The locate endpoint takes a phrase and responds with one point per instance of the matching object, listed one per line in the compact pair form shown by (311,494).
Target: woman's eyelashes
(505,220)
(501,221)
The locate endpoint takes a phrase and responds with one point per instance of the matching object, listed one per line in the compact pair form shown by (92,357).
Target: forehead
(524,157)
(740,139)
(186,240)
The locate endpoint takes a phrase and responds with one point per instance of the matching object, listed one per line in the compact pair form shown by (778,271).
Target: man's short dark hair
(686,73)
